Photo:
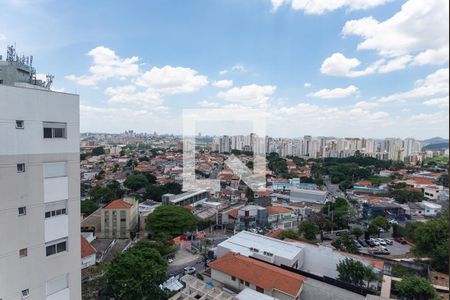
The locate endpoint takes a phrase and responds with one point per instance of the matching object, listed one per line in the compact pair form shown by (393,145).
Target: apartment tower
(39,186)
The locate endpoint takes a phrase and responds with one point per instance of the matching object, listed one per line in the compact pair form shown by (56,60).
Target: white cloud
(223,83)
(235,68)
(307,84)
(107,64)
(249,95)
(318,7)
(339,65)
(366,105)
(434,84)
(395,64)
(206,103)
(440,102)
(172,80)
(130,94)
(420,28)
(433,118)
(334,93)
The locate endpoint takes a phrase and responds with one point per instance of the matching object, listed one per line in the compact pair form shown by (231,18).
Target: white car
(381,242)
(189,270)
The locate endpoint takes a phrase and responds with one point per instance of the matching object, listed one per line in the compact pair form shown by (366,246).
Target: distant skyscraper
(306,144)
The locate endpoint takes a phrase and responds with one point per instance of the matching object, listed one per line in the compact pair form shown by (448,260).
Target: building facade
(40,191)
(119,218)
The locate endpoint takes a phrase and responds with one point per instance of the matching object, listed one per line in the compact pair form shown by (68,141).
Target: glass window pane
(50,250)
(61,247)
(48,133)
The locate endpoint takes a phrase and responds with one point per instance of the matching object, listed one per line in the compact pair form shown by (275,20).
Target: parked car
(381,251)
(356,244)
(382,242)
(388,241)
(400,240)
(189,270)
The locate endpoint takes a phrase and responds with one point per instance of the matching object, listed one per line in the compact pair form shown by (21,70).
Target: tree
(356,273)
(308,229)
(170,220)
(107,193)
(351,271)
(136,274)
(404,196)
(431,239)
(381,222)
(98,151)
(88,206)
(135,182)
(172,188)
(345,243)
(154,192)
(357,232)
(339,211)
(150,177)
(415,288)
(249,194)
(290,234)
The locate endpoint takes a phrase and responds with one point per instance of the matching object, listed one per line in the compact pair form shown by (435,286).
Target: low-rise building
(88,253)
(119,218)
(307,195)
(238,272)
(191,197)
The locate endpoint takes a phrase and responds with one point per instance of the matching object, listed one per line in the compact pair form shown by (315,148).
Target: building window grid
(22,211)
(56,248)
(54,213)
(54,130)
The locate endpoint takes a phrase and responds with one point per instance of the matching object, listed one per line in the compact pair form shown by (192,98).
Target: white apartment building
(39,191)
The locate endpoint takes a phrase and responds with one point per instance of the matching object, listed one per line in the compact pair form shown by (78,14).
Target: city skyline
(321,69)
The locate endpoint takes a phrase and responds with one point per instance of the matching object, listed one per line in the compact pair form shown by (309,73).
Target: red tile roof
(275,210)
(86,248)
(264,275)
(117,204)
(233,213)
(274,233)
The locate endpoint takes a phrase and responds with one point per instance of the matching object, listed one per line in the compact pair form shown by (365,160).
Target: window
(21,168)
(25,293)
(56,247)
(247,284)
(54,130)
(20,124)
(23,252)
(57,284)
(53,209)
(22,211)
(260,289)
(233,278)
(241,281)
(55,169)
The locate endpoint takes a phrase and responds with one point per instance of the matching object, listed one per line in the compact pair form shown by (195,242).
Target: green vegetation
(290,234)
(88,206)
(356,273)
(279,167)
(431,240)
(137,274)
(308,230)
(170,221)
(339,211)
(136,182)
(415,288)
(345,242)
(98,151)
(107,193)
(378,180)
(404,196)
(155,192)
(443,180)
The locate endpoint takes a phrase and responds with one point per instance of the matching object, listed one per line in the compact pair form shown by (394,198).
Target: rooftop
(264,275)
(118,204)
(86,248)
(244,240)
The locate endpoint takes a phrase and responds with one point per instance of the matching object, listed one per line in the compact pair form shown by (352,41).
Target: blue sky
(341,68)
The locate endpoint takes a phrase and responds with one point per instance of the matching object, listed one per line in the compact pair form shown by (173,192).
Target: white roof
(249,294)
(431,205)
(244,240)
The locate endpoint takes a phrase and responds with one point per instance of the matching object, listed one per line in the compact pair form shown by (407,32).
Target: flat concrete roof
(244,240)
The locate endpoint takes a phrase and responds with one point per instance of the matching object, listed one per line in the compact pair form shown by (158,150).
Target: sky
(345,68)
